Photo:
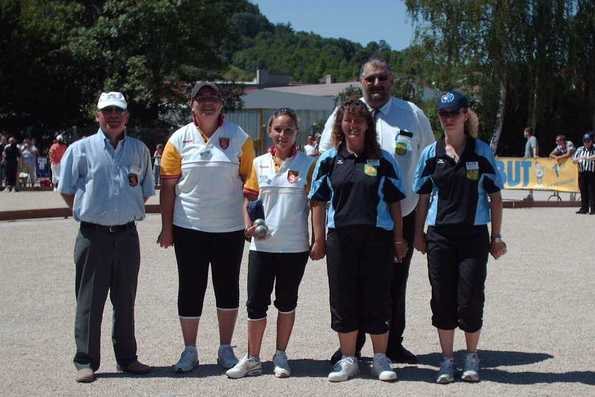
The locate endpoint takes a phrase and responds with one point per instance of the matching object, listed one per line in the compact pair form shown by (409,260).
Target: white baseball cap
(112,99)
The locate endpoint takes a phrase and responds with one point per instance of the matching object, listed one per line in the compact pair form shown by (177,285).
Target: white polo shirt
(209,174)
(404,131)
(283,191)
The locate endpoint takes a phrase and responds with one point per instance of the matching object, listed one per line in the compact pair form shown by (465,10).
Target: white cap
(112,99)
(60,138)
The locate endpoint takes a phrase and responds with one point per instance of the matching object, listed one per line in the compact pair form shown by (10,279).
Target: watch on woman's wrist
(497,236)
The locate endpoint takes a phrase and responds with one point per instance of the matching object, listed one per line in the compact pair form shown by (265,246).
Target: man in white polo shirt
(403,130)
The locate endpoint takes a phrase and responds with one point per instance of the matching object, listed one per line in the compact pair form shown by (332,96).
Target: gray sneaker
(471,369)
(381,367)
(346,368)
(247,366)
(226,357)
(282,369)
(446,374)
(188,360)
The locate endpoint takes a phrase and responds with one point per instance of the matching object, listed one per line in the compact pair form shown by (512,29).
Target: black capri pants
(284,270)
(359,266)
(457,267)
(195,250)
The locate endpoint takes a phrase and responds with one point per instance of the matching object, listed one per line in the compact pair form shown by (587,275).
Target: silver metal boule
(259,221)
(261,231)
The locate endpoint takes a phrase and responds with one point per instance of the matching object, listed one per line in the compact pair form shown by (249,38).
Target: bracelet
(400,242)
(495,236)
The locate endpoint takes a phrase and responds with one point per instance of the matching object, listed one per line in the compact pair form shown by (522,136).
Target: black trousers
(195,251)
(359,267)
(457,269)
(284,271)
(586,184)
(105,261)
(398,293)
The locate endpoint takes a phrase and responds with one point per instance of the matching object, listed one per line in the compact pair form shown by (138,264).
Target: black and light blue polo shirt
(458,190)
(359,189)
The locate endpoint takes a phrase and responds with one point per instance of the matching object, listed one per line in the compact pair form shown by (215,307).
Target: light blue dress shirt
(110,184)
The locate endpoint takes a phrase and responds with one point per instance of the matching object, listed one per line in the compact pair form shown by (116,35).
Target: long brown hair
(357,108)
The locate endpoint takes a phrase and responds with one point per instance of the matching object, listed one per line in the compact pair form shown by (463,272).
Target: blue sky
(358,21)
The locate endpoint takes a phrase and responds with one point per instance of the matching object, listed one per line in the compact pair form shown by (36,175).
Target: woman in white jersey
(280,179)
(203,169)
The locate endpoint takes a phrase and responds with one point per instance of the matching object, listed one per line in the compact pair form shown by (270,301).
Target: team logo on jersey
(370,170)
(132,179)
(224,143)
(400,148)
(293,176)
(472,170)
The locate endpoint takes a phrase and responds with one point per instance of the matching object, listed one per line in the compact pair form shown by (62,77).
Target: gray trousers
(105,261)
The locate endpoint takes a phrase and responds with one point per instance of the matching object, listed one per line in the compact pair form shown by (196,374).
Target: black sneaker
(402,355)
(582,211)
(337,356)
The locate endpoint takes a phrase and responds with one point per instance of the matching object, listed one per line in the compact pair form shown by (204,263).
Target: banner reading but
(538,174)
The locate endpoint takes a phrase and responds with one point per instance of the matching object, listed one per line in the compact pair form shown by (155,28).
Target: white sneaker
(282,369)
(381,367)
(226,357)
(344,369)
(471,368)
(247,366)
(446,374)
(188,360)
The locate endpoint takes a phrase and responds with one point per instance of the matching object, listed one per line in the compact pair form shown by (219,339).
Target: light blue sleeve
(69,170)
(422,175)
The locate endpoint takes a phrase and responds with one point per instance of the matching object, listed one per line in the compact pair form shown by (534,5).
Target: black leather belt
(108,229)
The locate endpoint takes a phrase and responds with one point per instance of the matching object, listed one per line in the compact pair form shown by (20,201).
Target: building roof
(324,90)
(271,99)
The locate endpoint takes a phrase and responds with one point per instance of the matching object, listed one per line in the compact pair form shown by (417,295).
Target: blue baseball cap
(452,101)
(588,136)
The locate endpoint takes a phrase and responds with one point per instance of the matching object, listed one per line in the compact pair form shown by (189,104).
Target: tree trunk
(499,115)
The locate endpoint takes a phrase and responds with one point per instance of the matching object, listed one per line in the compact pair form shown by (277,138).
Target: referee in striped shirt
(584,157)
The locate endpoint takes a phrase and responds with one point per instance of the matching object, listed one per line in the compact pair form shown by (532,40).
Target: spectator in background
(531,151)
(311,148)
(584,157)
(563,150)
(56,152)
(3,143)
(11,157)
(157,162)
(29,162)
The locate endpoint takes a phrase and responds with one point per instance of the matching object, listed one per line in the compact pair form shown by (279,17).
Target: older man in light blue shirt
(106,179)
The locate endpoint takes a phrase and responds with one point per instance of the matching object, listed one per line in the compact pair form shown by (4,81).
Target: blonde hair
(472,124)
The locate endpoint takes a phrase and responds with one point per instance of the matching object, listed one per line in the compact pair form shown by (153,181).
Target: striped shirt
(581,155)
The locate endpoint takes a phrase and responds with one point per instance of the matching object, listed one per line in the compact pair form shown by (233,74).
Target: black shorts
(359,265)
(457,267)
(285,270)
(195,250)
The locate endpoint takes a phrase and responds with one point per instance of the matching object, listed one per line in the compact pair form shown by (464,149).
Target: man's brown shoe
(85,375)
(136,368)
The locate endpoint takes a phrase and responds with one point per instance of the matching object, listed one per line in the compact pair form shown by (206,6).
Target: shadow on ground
(490,361)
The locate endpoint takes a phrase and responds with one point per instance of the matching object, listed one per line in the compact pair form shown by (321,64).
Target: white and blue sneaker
(188,360)
(226,357)
(247,366)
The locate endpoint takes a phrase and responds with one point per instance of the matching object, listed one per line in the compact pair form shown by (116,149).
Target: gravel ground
(538,335)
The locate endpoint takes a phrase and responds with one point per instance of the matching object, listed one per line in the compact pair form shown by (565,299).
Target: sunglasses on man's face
(380,77)
(449,114)
(111,109)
